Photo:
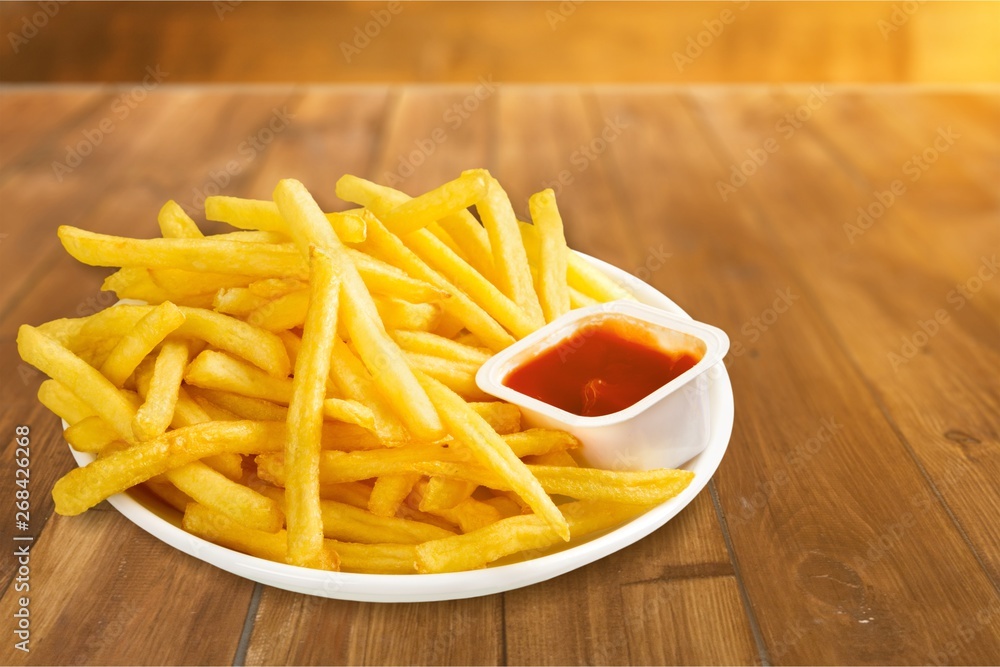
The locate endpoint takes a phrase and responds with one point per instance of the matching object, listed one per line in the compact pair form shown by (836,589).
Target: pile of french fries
(303,389)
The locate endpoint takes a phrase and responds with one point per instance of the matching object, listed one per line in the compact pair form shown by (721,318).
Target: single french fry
(553,458)
(503,417)
(425,342)
(633,487)
(272,288)
(252,236)
(349,412)
(191,285)
(133,282)
(64,403)
(457,376)
(82,488)
(92,435)
(470,514)
(239,301)
(264,215)
(442,201)
(553,292)
(383,358)
(292,344)
(509,256)
(261,348)
(355,494)
(79,377)
(519,533)
(504,505)
(156,413)
(216,370)
(285,312)
(168,493)
(305,414)
(472,431)
(389,493)
(438,231)
(236,501)
(398,314)
(540,441)
(375,558)
(578,299)
(140,341)
(442,493)
(194,255)
(175,223)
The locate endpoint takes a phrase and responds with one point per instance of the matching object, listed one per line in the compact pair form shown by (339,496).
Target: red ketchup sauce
(598,370)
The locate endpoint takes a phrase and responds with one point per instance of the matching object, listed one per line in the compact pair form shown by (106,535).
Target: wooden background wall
(572,41)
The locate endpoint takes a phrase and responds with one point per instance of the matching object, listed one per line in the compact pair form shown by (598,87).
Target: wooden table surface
(855,516)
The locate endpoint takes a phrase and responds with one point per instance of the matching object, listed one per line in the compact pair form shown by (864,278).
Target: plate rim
(395,588)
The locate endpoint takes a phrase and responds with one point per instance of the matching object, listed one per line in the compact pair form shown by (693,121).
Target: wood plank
(805,474)
(332,135)
(135,161)
(103,592)
(26,119)
(435,135)
(687,622)
(525,41)
(297,629)
(954,439)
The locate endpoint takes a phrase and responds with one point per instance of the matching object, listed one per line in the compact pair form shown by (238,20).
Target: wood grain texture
(668,619)
(105,593)
(656,42)
(853,514)
(811,418)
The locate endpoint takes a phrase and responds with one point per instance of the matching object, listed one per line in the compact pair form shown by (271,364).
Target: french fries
(303,389)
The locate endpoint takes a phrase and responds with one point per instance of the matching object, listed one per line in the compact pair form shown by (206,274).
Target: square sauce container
(662,429)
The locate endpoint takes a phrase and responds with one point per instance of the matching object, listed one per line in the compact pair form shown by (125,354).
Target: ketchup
(598,371)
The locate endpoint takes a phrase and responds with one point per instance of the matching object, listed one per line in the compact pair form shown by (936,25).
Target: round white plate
(156,520)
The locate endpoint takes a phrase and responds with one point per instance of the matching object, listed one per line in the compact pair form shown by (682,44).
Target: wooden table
(855,516)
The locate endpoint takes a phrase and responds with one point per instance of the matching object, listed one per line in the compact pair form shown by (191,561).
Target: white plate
(162,522)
